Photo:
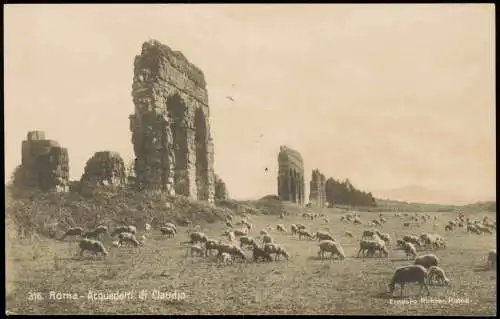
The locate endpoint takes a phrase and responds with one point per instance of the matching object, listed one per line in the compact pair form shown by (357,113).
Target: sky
(386,95)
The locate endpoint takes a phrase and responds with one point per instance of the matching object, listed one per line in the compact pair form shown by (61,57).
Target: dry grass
(303,285)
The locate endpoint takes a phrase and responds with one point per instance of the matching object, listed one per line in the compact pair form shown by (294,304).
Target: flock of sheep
(373,243)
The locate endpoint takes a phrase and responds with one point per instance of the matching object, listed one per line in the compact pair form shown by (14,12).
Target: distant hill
(420,194)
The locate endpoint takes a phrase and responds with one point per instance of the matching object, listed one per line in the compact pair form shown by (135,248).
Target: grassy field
(302,285)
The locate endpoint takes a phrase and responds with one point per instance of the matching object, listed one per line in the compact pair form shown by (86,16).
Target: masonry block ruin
(104,168)
(317,192)
(170,127)
(45,164)
(291,184)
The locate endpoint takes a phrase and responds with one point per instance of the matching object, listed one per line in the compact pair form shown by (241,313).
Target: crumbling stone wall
(104,168)
(44,163)
(291,184)
(170,127)
(317,193)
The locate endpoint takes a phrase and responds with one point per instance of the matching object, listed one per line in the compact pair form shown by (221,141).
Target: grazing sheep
(332,247)
(321,235)
(124,229)
(198,237)
(240,232)
(293,229)
(301,226)
(412,239)
(267,239)
(376,222)
(409,250)
(427,260)
(409,274)
(437,274)
(226,258)
(246,240)
(128,238)
(448,227)
(232,250)
(304,233)
(492,259)
(169,232)
(281,228)
(385,237)
(348,234)
(260,253)
(369,247)
(94,246)
(473,229)
(171,225)
(74,231)
(276,249)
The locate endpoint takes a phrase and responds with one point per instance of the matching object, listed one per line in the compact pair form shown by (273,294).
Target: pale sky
(386,95)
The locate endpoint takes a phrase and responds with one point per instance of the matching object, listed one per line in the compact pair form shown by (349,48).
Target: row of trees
(344,193)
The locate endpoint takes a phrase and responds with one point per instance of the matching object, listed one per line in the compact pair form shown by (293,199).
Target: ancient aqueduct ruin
(174,150)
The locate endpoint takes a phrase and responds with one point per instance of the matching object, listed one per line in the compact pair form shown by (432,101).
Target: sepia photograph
(250,159)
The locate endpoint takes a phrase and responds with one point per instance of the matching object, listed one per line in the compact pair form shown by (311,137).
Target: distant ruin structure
(317,192)
(170,128)
(291,184)
(105,168)
(45,164)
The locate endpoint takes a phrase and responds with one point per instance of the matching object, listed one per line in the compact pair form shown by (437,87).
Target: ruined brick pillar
(104,168)
(290,176)
(170,126)
(317,193)
(45,164)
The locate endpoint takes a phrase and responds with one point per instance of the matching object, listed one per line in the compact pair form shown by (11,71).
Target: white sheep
(409,274)
(167,231)
(115,243)
(128,238)
(197,237)
(332,247)
(385,237)
(293,229)
(281,228)
(94,246)
(124,229)
(226,258)
(409,249)
(232,250)
(272,248)
(427,260)
(171,225)
(304,233)
(437,274)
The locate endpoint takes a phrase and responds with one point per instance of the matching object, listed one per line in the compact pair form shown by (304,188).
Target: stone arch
(177,109)
(201,141)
